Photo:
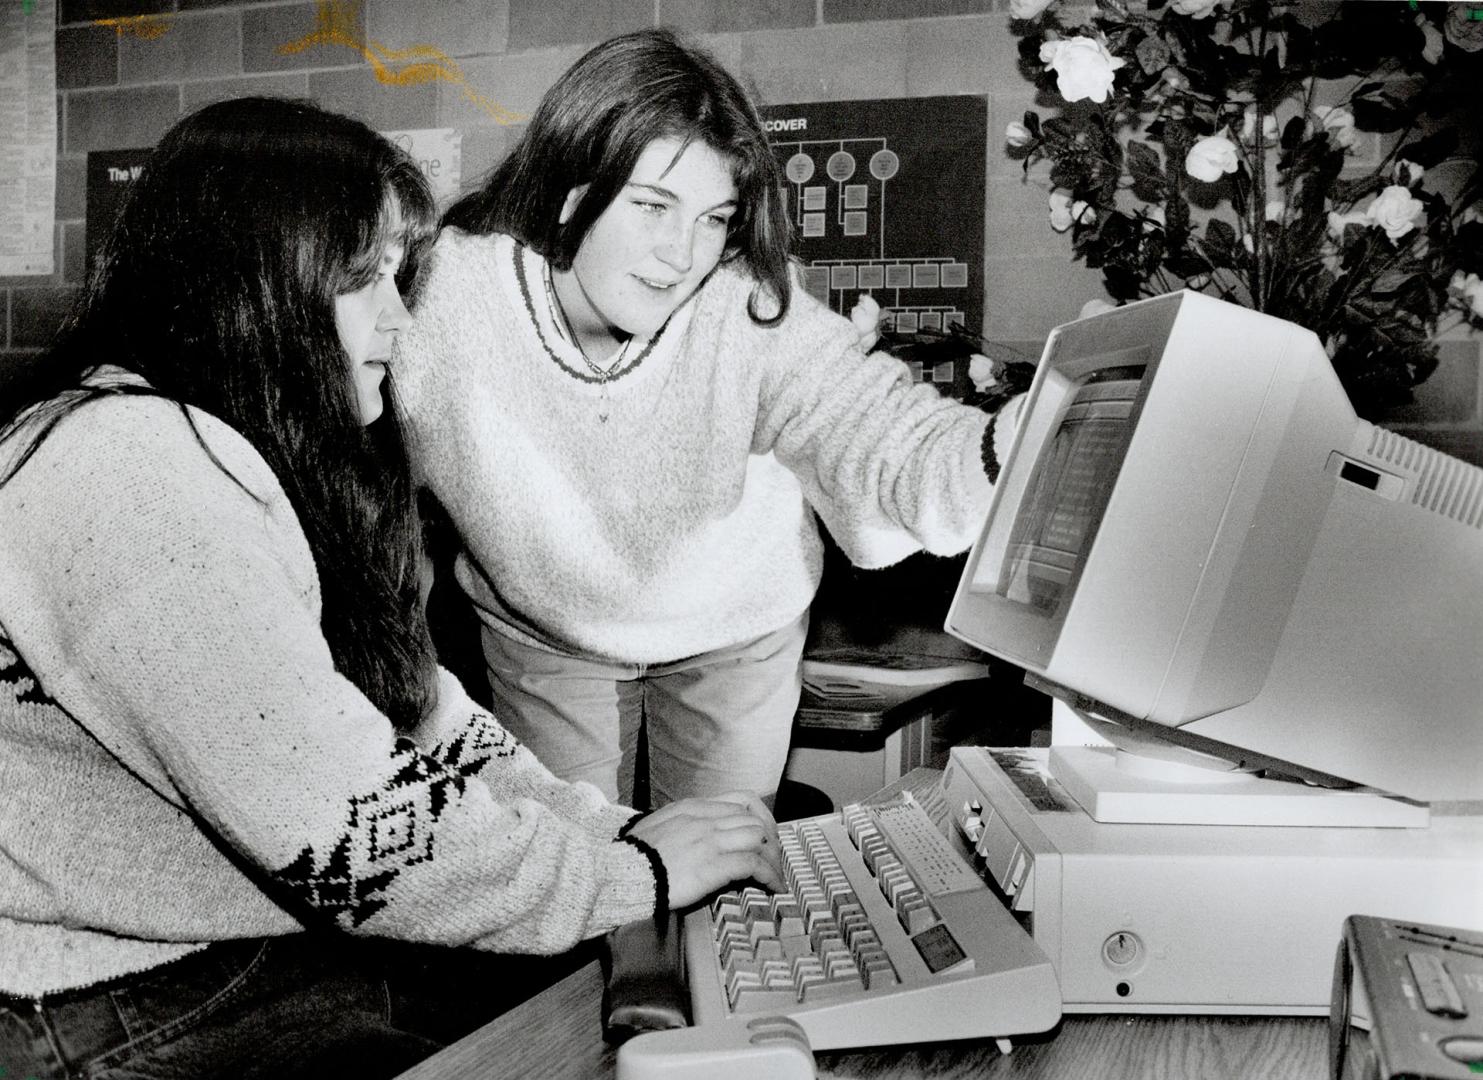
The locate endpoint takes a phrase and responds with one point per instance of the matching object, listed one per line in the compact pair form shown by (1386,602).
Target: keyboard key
(879,973)
(770,949)
(823,991)
(775,974)
(788,918)
(796,945)
(759,999)
(739,982)
(915,914)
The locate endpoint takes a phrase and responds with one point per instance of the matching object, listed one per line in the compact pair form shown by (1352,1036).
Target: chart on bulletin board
(887,198)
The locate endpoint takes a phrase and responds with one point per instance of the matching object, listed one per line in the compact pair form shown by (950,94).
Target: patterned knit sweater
(680,524)
(180,762)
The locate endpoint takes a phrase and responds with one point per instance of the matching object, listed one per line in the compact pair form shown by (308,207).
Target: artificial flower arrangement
(1212,145)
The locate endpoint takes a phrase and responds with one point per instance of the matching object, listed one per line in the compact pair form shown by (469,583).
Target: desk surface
(556,1035)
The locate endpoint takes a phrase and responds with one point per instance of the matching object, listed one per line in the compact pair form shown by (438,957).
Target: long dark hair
(217,286)
(591,128)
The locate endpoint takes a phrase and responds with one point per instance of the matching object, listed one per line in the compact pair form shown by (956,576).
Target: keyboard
(884,935)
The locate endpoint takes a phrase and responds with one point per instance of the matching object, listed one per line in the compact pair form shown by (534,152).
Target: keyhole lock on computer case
(1123,952)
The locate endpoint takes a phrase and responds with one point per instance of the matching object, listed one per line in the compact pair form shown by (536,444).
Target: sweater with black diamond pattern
(182,764)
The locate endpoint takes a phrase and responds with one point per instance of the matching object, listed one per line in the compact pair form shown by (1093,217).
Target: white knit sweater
(682,523)
(180,763)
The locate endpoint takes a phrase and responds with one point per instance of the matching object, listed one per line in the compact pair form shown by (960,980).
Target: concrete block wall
(126,69)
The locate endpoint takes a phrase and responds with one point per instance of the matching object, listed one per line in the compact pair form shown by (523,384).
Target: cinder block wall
(126,69)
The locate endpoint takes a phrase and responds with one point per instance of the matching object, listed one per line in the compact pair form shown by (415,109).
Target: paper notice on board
(438,153)
(28,136)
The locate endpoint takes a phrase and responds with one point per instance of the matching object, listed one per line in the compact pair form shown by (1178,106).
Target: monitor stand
(1139,780)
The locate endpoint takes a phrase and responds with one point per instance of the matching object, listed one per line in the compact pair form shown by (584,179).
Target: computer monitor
(1197,543)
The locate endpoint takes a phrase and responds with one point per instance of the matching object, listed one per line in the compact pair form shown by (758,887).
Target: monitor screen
(1069,489)
(1194,535)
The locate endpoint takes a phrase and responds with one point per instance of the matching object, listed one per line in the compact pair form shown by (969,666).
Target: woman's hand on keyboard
(709,843)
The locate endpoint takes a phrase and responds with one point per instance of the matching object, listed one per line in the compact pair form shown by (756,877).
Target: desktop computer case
(1196,918)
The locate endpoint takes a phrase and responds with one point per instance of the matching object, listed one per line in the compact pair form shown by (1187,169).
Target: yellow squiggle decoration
(148,27)
(335,25)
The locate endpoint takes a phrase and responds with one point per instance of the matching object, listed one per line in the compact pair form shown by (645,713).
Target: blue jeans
(300,1006)
(716,722)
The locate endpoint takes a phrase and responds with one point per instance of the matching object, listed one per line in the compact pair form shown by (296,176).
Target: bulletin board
(887,198)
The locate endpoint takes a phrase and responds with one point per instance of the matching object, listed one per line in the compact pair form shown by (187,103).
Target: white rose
(1339,124)
(1431,50)
(1248,127)
(866,315)
(1470,288)
(1064,212)
(1337,222)
(1471,214)
(1083,67)
(1027,9)
(1095,307)
(1407,172)
(1396,211)
(981,373)
(1017,135)
(1211,158)
(1195,9)
(1060,210)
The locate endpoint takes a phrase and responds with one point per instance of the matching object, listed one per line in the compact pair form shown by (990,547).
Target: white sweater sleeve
(890,467)
(175,616)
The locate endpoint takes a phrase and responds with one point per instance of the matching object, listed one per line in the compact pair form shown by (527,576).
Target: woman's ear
(569,207)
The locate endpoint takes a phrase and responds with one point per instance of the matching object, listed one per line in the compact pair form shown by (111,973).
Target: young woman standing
(631,416)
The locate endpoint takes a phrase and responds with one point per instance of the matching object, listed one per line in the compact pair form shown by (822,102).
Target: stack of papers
(860,679)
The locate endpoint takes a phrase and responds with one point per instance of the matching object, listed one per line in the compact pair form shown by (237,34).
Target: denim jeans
(301,1006)
(714,723)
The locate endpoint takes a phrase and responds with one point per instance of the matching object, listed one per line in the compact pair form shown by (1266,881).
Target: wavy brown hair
(591,128)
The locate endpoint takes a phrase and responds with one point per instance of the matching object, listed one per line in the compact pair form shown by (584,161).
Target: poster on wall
(887,198)
(28,132)
(110,172)
(438,153)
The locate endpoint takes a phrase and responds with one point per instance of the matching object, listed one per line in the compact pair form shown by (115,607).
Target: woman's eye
(650,207)
(718,221)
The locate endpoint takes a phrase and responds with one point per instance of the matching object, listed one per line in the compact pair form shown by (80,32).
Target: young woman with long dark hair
(226,750)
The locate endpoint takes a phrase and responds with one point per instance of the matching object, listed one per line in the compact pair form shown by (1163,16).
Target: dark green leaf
(1187,264)
(1391,282)
(1377,115)
(1431,150)
(1219,245)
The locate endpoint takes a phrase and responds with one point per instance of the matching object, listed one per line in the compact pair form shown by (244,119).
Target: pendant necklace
(621,365)
(602,374)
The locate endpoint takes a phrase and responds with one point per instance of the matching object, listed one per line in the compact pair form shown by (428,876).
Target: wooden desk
(556,1036)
